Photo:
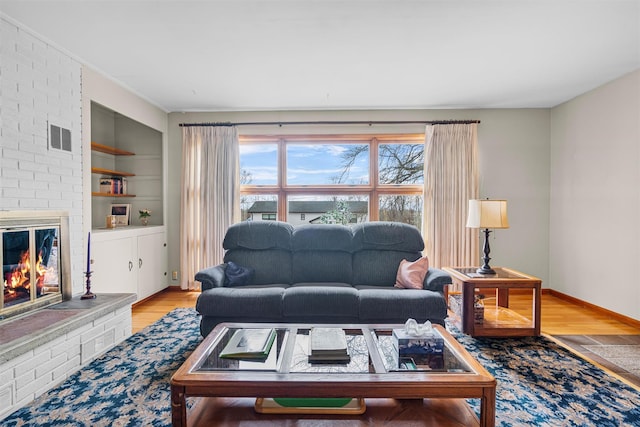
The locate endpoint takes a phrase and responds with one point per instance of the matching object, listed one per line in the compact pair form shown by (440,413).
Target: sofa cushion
(270,266)
(321,253)
(237,275)
(258,235)
(250,302)
(389,236)
(322,237)
(377,267)
(320,300)
(321,266)
(392,305)
(411,274)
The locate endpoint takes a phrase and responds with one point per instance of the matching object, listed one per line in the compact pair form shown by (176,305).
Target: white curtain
(210,197)
(451,179)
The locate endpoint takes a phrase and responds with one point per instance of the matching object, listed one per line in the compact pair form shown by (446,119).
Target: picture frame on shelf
(122,211)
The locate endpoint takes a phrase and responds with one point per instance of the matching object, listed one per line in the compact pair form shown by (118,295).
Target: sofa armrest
(436,279)
(212,277)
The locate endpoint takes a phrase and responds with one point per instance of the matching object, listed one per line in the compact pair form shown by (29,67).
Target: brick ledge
(18,335)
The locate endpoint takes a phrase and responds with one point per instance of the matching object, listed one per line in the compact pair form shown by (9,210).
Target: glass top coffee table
(375,371)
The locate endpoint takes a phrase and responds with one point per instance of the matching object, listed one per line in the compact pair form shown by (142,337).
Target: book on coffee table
(328,345)
(249,344)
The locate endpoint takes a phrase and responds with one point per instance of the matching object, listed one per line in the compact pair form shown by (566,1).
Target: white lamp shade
(487,214)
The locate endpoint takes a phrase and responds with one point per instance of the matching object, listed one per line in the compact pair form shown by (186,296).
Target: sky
(307,164)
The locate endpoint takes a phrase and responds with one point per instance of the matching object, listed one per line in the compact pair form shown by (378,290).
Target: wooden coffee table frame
(507,279)
(187,382)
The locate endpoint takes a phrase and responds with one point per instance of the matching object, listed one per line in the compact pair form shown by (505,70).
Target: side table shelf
(492,317)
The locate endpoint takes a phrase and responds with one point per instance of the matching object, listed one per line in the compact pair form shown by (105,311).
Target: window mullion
(282,179)
(374,205)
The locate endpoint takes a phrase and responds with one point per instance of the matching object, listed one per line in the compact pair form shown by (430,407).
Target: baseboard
(617,316)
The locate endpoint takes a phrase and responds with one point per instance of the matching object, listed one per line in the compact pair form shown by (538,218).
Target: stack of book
(113,185)
(251,344)
(328,345)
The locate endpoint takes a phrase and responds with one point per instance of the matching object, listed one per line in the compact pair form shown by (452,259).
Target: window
(341,179)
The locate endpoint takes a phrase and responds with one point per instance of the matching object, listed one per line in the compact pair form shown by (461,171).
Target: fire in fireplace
(34,260)
(19,269)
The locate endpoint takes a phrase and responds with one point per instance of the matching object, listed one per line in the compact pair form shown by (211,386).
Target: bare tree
(398,164)
(245,178)
(401,163)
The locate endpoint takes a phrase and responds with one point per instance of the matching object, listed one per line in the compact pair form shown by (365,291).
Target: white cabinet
(152,264)
(132,260)
(113,265)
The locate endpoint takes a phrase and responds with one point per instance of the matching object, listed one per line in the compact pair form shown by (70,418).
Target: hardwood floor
(559,316)
(152,309)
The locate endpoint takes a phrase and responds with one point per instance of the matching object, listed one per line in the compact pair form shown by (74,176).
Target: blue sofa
(319,274)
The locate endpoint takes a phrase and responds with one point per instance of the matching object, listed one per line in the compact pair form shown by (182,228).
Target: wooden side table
(497,320)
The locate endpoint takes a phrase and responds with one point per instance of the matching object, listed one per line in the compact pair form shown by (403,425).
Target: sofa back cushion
(258,235)
(378,268)
(269,266)
(322,253)
(379,249)
(264,246)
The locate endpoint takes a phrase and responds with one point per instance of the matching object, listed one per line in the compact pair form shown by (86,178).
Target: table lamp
(487,214)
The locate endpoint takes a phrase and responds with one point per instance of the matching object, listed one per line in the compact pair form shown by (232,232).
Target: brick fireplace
(46,333)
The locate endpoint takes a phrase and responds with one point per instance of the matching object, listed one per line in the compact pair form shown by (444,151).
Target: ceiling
(238,55)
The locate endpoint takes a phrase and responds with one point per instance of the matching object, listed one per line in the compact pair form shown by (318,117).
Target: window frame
(373,190)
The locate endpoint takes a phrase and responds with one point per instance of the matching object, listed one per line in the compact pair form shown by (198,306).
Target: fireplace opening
(33,262)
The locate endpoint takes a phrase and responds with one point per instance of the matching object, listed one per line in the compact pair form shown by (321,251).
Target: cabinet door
(114,269)
(152,264)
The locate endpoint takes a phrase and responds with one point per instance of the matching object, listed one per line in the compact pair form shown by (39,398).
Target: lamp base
(485,270)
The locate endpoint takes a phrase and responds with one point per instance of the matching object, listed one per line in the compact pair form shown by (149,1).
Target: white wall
(595,196)
(514,165)
(40,84)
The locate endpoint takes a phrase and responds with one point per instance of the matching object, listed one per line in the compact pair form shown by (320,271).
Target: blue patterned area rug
(540,383)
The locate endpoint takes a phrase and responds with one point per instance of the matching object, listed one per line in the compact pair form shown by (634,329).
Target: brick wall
(40,84)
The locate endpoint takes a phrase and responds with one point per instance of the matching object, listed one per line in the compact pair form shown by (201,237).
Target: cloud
(249,149)
(262,175)
(292,171)
(315,150)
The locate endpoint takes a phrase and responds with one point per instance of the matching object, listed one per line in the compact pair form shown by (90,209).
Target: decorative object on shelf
(88,294)
(122,212)
(145,214)
(487,214)
(111,221)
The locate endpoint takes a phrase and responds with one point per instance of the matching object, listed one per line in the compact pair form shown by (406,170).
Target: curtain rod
(337,122)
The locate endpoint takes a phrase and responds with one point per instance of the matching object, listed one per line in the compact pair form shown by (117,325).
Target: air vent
(59,138)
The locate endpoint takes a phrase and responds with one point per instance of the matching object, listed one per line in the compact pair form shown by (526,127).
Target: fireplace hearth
(34,253)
